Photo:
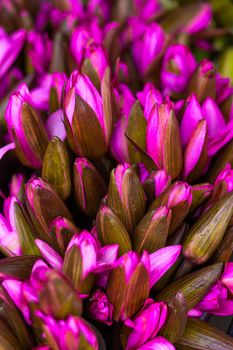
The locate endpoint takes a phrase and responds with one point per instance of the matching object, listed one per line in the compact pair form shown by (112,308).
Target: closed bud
(58,298)
(44,205)
(178,198)
(56,167)
(205,236)
(194,286)
(128,285)
(84,120)
(201,335)
(176,319)
(200,193)
(163,142)
(26,128)
(225,248)
(156,183)
(89,186)
(151,232)
(110,230)
(61,232)
(126,197)
(24,231)
(203,81)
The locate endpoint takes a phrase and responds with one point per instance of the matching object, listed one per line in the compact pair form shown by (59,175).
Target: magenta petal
(213,116)
(195,313)
(161,261)
(107,256)
(50,255)
(225,308)
(192,115)
(201,20)
(55,126)
(6,149)
(13,288)
(227,276)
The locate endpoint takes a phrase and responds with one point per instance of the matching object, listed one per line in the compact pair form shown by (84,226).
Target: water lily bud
(76,265)
(126,197)
(178,198)
(83,117)
(128,285)
(24,231)
(178,65)
(163,140)
(110,230)
(205,236)
(26,128)
(44,205)
(61,232)
(99,307)
(156,183)
(56,169)
(176,320)
(194,286)
(58,298)
(89,186)
(151,232)
(200,193)
(202,81)
(199,335)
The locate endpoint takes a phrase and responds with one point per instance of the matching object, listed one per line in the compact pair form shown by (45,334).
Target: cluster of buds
(116,179)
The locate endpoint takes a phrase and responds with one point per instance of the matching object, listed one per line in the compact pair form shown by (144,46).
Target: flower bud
(76,265)
(99,307)
(128,285)
(194,286)
(89,186)
(200,193)
(148,97)
(26,128)
(151,232)
(55,168)
(176,319)
(44,205)
(178,198)
(205,236)
(163,140)
(84,118)
(199,335)
(202,81)
(225,248)
(110,230)
(178,65)
(61,232)
(155,184)
(126,197)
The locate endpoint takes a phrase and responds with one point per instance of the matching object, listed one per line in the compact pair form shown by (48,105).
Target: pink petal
(7,148)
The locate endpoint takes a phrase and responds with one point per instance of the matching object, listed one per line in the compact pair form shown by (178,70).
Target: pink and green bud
(99,308)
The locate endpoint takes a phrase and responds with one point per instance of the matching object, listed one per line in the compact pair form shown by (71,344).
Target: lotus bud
(55,96)
(151,232)
(194,286)
(163,140)
(202,81)
(178,65)
(84,118)
(135,334)
(126,197)
(80,260)
(155,184)
(176,319)
(58,298)
(110,230)
(148,97)
(178,198)
(199,334)
(55,168)
(128,285)
(44,205)
(200,193)
(89,186)
(99,307)
(205,236)
(26,128)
